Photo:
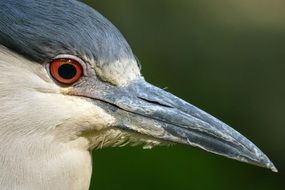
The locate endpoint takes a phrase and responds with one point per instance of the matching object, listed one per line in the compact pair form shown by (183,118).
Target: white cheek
(32,103)
(81,114)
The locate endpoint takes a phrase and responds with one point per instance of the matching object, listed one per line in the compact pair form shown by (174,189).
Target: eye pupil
(67,71)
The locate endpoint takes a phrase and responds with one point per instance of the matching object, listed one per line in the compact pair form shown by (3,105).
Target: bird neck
(42,166)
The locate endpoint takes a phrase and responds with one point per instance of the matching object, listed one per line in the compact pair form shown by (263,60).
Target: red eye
(66,71)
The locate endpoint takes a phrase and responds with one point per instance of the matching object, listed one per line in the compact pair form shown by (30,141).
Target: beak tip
(267,163)
(272,167)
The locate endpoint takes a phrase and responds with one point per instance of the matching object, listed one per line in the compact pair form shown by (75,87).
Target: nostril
(156,102)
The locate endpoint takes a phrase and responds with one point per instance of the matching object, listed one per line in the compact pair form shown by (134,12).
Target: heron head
(71,77)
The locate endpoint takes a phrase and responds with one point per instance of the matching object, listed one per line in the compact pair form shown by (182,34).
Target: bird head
(68,76)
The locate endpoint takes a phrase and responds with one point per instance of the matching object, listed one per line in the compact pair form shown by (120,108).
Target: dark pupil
(67,71)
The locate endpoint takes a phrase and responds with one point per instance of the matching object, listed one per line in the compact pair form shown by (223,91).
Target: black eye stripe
(67,71)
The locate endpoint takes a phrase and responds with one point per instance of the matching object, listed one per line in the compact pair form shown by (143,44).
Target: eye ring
(66,71)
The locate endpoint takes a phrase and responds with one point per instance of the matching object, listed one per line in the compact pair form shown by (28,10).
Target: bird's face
(83,82)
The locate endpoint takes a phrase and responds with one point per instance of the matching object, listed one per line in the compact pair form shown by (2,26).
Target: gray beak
(144,109)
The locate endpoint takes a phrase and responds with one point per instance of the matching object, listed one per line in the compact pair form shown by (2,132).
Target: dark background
(226,57)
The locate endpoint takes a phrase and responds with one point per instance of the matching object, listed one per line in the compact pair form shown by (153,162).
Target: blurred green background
(226,57)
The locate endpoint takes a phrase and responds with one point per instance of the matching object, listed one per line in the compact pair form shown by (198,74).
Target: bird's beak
(145,109)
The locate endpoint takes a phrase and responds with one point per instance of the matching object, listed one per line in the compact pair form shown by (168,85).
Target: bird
(70,84)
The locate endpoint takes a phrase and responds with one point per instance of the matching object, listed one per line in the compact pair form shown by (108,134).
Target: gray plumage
(42,29)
